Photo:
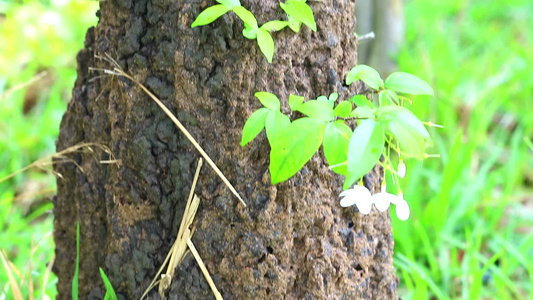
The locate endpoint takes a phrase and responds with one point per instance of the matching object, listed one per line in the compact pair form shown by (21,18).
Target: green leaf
(230,3)
(410,144)
(301,12)
(209,15)
(268,100)
(294,24)
(407,128)
(367,74)
(390,96)
(274,125)
(246,16)
(249,32)
(361,100)
(325,99)
(275,25)
(317,110)
(110,291)
(364,150)
(343,109)
(254,125)
(336,140)
(333,97)
(322,98)
(363,112)
(404,117)
(294,148)
(266,44)
(406,83)
(295,101)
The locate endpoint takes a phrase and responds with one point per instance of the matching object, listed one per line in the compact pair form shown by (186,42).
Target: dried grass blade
(47,160)
(186,220)
(46,276)
(155,281)
(17,295)
(212,285)
(30,275)
(186,133)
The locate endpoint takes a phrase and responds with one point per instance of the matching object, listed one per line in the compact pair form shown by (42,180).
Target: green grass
(35,37)
(75,277)
(471,212)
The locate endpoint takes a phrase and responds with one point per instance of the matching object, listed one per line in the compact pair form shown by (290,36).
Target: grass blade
(77,269)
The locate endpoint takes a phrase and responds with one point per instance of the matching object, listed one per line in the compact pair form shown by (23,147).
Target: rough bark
(293,241)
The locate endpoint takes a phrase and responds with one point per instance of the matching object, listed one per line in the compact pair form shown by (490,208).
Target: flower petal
(382,201)
(402,210)
(401,169)
(355,196)
(346,193)
(347,201)
(364,205)
(361,191)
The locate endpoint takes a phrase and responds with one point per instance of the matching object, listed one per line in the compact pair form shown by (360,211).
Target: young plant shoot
(298,12)
(382,125)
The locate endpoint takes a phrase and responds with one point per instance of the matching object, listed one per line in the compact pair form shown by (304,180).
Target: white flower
(401,169)
(382,201)
(402,207)
(358,195)
(361,197)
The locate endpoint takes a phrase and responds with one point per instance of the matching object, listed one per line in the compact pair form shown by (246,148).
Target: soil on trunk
(293,241)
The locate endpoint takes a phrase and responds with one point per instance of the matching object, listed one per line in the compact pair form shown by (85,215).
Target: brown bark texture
(293,241)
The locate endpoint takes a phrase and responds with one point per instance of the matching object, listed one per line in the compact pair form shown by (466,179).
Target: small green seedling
(77,267)
(110,291)
(298,12)
(210,14)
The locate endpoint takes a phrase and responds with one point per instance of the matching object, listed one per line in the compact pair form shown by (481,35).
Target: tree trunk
(293,241)
(386,19)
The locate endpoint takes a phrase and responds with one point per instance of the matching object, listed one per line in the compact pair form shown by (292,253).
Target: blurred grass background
(39,41)
(470,231)
(470,235)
